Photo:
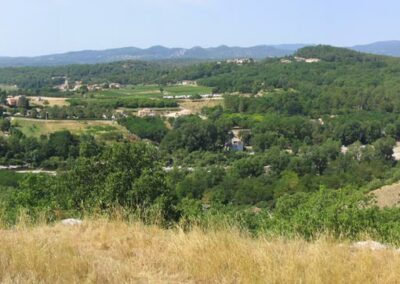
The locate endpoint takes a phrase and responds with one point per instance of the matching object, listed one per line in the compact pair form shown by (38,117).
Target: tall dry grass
(117,252)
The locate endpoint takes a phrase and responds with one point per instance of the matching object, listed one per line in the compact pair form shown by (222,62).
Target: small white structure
(344,149)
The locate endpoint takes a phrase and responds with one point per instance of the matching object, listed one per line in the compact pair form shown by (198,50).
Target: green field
(98,128)
(152,91)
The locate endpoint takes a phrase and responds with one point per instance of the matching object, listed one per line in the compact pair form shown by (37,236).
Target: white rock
(372,245)
(71,222)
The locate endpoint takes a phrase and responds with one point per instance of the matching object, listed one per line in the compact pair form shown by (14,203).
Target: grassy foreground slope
(116,252)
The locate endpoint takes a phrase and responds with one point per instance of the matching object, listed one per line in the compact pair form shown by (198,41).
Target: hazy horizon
(59,26)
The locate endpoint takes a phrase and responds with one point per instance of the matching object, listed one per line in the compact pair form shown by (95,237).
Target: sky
(38,27)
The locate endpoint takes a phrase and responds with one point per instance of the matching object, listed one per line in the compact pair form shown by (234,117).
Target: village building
(313,60)
(237,144)
(12,101)
(115,86)
(307,60)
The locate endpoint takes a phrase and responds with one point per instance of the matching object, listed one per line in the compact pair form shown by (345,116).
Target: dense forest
(317,137)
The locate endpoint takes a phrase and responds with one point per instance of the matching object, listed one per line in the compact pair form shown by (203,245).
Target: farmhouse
(12,101)
(237,144)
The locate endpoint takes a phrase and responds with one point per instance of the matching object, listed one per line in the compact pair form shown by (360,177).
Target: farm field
(36,128)
(49,101)
(152,91)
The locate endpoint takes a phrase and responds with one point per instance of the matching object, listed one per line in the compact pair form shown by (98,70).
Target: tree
(384,148)
(23,102)
(5,125)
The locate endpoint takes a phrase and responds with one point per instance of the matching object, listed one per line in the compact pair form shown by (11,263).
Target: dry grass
(36,127)
(115,252)
(50,100)
(196,105)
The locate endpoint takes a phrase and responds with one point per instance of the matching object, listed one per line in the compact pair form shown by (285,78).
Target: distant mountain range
(391,48)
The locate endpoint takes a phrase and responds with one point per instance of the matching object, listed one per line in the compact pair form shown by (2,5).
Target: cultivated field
(49,101)
(36,128)
(115,252)
(152,91)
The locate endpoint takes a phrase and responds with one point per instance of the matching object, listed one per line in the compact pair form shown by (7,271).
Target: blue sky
(34,27)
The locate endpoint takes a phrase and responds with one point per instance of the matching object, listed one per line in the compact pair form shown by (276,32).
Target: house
(237,144)
(146,112)
(115,86)
(12,101)
(307,60)
(312,60)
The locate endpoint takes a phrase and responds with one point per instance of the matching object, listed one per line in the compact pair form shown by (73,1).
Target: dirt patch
(195,106)
(41,101)
(388,196)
